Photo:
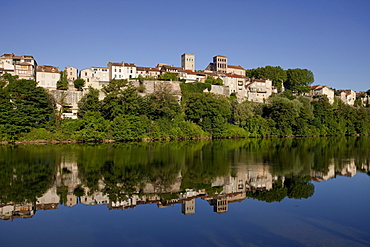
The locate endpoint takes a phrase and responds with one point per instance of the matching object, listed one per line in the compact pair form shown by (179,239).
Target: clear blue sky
(329,37)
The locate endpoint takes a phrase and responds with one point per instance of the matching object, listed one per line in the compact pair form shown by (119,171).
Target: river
(244,192)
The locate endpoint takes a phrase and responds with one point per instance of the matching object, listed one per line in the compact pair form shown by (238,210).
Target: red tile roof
(235,75)
(235,67)
(47,69)
(146,69)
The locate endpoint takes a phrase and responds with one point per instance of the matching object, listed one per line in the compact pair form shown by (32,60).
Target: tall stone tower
(220,63)
(187,61)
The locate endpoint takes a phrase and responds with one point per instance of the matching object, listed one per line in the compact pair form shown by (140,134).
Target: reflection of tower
(188,206)
(71,200)
(219,203)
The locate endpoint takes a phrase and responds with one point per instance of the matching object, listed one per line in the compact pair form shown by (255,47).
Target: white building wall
(47,80)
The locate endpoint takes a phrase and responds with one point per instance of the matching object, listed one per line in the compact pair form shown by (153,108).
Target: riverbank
(43,142)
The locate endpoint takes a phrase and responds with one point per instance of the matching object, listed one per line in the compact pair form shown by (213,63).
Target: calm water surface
(254,192)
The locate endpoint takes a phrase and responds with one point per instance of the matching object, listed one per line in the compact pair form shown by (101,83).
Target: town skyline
(329,38)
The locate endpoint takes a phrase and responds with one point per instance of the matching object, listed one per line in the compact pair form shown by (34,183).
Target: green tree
(275,73)
(62,84)
(128,127)
(121,98)
(79,83)
(89,102)
(208,110)
(167,76)
(93,128)
(298,80)
(214,81)
(285,113)
(24,105)
(162,103)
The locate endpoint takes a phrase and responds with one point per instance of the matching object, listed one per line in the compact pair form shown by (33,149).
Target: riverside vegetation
(28,113)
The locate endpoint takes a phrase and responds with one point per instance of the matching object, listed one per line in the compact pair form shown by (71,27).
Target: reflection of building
(49,200)
(188,206)
(319,176)
(219,203)
(12,211)
(96,199)
(349,169)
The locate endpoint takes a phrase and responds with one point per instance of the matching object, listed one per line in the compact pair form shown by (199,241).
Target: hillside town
(233,79)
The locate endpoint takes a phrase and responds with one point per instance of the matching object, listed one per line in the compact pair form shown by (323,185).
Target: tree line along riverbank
(28,113)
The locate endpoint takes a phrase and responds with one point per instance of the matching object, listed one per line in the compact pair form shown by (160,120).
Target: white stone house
(323,90)
(121,70)
(192,77)
(22,66)
(95,77)
(348,96)
(147,72)
(72,73)
(47,76)
(258,90)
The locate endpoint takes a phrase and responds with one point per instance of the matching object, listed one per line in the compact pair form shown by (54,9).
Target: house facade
(147,72)
(258,90)
(347,96)
(121,70)
(72,73)
(47,76)
(95,77)
(323,90)
(22,66)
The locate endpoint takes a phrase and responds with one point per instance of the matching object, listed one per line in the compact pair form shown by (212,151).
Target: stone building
(47,76)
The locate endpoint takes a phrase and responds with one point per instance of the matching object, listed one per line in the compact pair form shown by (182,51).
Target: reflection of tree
(123,169)
(299,187)
(26,173)
(294,187)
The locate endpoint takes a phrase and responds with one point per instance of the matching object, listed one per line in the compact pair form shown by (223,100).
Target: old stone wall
(67,97)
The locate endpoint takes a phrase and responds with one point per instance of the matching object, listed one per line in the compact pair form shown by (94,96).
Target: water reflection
(122,176)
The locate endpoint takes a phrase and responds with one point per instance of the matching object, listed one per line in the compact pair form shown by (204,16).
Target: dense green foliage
(215,81)
(168,77)
(79,83)
(297,80)
(190,88)
(89,102)
(27,113)
(23,106)
(276,74)
(62,84)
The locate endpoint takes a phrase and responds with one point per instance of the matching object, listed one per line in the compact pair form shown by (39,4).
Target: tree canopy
(299,80)
(79,83)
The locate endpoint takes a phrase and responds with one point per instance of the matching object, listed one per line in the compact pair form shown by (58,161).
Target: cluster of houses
(233,77)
